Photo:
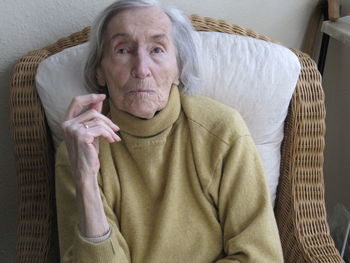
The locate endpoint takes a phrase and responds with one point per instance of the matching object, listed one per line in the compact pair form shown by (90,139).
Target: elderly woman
(182,181)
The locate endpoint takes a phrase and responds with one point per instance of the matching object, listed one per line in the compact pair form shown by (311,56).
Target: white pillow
(258,79)
(59,78)
(253,76)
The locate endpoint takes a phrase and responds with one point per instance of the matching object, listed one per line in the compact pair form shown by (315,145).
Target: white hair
(183,35)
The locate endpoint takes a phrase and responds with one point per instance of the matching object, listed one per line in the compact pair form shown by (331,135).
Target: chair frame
(300,206)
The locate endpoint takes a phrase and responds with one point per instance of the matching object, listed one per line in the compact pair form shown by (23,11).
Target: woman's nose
(141,67)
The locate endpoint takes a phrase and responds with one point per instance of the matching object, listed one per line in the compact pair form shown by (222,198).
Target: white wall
(336,84)
(29,25)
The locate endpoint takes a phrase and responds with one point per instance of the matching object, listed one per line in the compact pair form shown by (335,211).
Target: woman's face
(139,62)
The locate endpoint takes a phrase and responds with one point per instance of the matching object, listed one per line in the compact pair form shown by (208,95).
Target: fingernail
(117,138)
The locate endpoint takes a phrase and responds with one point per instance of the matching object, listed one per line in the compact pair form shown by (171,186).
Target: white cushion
(258,79)
(253,76)
(58,80)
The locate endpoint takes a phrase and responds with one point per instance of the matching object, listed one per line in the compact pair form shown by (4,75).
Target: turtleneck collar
(146,128)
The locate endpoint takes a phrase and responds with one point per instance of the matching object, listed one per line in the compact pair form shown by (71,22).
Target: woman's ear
(100,77)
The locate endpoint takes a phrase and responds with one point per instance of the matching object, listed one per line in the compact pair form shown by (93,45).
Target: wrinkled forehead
(138,21)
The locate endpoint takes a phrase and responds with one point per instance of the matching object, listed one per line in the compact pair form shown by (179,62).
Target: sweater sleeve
(244,208)
(74,248)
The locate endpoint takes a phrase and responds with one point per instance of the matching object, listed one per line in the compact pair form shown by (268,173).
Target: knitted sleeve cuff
(99,239)
(86,251)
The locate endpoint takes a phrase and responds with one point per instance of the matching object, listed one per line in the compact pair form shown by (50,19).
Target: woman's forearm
(92,219)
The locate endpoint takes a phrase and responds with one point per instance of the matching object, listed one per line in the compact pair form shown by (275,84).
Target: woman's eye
(122,51)
(157,50)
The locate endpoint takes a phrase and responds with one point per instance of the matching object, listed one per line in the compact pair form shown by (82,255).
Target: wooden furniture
(300,207)
(324,10)
(331,11)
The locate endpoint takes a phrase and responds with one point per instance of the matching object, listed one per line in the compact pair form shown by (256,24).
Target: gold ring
(86,126)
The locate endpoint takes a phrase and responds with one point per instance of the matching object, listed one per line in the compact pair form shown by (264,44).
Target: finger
(96,106)
(79,102)
(95,124)
(93,115)
(90,115)
(100,131)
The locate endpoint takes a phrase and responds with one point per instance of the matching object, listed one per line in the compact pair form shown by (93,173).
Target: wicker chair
(300,207)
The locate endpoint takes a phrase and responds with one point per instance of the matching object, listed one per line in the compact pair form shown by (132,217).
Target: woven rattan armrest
(300,209)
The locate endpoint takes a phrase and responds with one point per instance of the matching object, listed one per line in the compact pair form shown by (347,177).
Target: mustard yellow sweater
(186,186)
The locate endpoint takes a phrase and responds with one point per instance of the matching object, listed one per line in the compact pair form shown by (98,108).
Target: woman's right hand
(82,130)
